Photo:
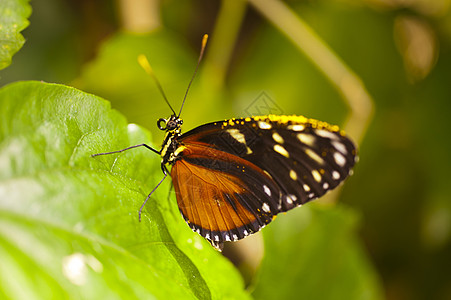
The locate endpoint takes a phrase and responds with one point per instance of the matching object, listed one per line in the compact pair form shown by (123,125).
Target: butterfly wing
(221,196)
(287,160)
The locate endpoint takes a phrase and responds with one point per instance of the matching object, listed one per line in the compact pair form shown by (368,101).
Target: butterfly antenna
(204,43)
(144,63)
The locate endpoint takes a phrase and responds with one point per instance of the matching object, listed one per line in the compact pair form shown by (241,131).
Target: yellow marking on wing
(239,137)
(178,150)
(281,150)
(316,176)
(314,156)
(293,119)
(276,137)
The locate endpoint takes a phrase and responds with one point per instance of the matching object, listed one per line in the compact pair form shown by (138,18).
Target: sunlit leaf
(69,225)
(13,19)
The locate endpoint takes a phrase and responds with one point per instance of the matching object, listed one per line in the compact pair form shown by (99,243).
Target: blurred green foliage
(319,258)
(400,189)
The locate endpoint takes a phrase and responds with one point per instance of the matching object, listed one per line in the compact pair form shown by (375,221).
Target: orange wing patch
(218,204)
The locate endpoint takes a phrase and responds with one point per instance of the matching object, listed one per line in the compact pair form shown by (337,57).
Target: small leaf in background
(13,15)
(68,222)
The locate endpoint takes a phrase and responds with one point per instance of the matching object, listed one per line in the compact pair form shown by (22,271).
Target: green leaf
(13,19)
(314,253)
(68,222)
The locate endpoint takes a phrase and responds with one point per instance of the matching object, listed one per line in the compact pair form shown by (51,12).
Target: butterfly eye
(160,121)
(171,124)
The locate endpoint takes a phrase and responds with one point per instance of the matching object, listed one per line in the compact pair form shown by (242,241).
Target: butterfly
(232,177)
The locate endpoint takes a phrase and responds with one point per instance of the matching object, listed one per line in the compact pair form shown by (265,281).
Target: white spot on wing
(325,186)
(326,134)
(296,127)
(291,199)
(306,188)
(306,138)
(267,190)
(339,159)
(266,208)
(340,147)
(335,175)
(264,125)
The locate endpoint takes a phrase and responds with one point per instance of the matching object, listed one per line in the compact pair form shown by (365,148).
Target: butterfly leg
(128,148)
(164,169)
(148,196)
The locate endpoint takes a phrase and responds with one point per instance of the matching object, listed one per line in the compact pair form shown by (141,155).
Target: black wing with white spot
(304,157)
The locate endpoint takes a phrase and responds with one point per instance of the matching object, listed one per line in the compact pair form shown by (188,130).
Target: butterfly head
(172,124)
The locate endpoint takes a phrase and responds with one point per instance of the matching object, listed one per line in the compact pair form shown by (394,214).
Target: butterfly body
(232,177)
(173,128)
